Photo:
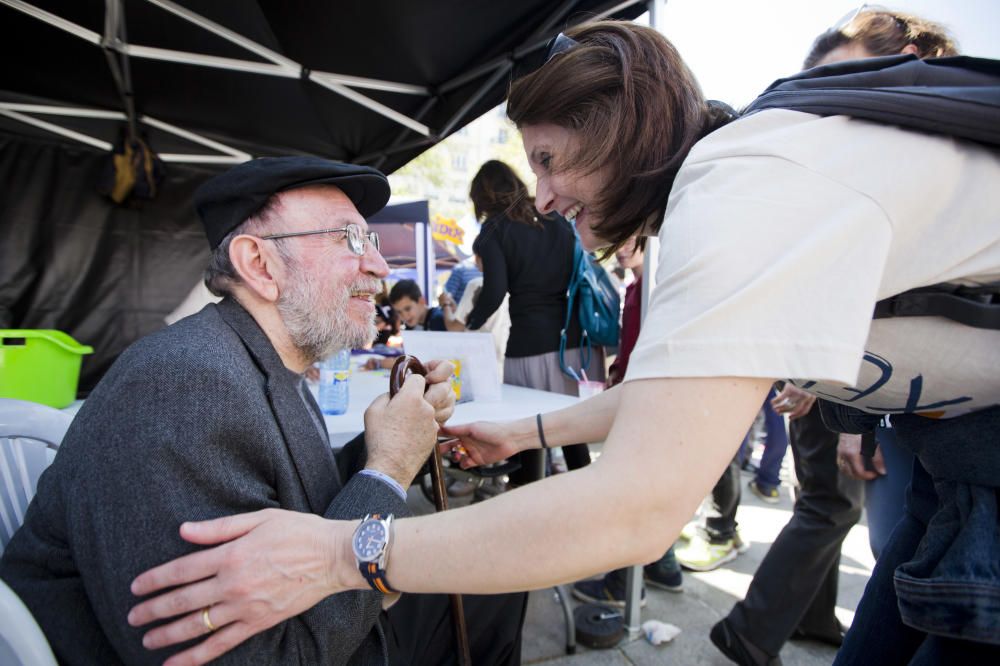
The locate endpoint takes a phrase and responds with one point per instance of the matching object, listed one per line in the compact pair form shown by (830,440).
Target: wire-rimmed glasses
(356,238)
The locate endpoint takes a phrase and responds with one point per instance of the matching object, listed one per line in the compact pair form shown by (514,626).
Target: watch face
(369,540)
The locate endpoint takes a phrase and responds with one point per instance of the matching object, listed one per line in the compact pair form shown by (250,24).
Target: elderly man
(211,417)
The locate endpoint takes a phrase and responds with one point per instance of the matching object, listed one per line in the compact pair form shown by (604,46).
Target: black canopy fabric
(452,58)
(70,259)
(73,261)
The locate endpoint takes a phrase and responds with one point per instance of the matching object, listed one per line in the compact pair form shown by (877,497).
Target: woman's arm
(666,449)
(487,442)
(495,277)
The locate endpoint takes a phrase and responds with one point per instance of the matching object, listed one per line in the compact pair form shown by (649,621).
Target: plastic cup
(588,389)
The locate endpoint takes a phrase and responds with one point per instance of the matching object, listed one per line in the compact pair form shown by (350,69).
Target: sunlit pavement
(707,597)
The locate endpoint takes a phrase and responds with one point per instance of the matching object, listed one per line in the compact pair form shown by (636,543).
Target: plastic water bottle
(334,382)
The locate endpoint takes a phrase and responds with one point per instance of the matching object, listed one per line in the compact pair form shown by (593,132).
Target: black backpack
(957,96)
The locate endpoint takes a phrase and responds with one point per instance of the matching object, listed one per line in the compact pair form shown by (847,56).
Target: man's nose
(545,198)
(373,263)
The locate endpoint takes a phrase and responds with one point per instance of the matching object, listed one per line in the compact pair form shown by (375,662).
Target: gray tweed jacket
(196,421)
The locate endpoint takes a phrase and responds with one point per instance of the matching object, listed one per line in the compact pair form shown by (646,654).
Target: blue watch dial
(369,540)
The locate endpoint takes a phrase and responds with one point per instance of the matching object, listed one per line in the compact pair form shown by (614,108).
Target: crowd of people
(778,233)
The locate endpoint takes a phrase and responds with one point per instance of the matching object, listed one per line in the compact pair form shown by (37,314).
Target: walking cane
(404,366)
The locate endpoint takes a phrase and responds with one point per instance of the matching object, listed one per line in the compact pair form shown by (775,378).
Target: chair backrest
(30,434)
(21,640)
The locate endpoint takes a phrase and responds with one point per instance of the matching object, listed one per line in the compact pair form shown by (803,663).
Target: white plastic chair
(22,642)
(30,434)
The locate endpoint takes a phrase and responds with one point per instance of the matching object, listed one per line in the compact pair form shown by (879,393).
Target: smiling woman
(779,232)
(585,119)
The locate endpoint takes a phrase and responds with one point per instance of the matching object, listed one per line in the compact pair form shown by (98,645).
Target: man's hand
(851,461)
(793,401)
(480,443)
(400,433)
(440,394)
(446,300)
(275,565)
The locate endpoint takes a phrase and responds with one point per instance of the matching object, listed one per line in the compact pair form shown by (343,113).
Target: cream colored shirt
(782,231)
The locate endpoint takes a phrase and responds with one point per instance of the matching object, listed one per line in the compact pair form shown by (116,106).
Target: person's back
(537,262)
(938,228)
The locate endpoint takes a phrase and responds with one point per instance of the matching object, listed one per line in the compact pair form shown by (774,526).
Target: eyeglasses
(849,17)
(540,54)
(559,44)
(356,239)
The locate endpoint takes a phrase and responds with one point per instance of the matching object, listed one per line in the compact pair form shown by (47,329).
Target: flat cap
(226,201)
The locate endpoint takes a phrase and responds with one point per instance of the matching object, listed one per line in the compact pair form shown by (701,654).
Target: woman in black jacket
(529,256)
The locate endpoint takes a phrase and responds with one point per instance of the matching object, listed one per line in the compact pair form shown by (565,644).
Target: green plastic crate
(40,366)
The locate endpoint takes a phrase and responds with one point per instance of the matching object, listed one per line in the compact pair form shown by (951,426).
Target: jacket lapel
(309,450)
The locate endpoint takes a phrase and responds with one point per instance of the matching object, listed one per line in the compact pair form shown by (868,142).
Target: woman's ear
(910,49)
(256,265)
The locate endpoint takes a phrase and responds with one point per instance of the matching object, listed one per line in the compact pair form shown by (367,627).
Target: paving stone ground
(707,597)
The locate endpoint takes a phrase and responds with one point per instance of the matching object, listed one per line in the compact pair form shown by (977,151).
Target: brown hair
(636,110)
(496,190)
(883,32)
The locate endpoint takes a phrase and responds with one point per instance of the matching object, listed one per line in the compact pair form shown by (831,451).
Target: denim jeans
(775,445)
(884,496)
(934,596)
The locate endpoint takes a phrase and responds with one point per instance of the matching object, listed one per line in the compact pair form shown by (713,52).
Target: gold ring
(206,619)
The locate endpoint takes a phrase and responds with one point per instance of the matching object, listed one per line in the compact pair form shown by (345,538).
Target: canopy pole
(633,580)
(113,43)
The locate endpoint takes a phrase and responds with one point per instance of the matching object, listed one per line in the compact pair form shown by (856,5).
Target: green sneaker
(690,531)
(701,555)
(738,543)
(767,493)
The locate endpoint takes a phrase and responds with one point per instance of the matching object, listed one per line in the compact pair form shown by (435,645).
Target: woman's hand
(480,443)
(851,461)
(271,566)
(793,401)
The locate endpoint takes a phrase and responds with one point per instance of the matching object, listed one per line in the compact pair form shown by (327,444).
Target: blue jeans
(934,596)
(775,446)
(885,495)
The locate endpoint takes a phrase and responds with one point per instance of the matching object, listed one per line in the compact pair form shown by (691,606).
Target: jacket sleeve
(495,278)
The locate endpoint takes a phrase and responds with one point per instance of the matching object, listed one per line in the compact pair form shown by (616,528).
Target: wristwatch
(371,542)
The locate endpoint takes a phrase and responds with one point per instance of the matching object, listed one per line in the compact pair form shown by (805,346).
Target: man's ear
(910,49)
(256,265)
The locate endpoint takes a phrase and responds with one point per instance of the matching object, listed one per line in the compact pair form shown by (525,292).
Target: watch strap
(373,572)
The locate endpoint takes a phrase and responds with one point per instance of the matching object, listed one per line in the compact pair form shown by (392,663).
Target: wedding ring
(206,619)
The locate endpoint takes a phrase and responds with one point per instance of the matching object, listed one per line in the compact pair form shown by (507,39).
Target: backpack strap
(957,96)
(978,307)
(574,283)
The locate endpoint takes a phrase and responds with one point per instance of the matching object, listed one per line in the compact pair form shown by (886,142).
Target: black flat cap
(226,201)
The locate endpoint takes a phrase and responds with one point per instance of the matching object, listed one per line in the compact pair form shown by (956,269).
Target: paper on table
(475,350)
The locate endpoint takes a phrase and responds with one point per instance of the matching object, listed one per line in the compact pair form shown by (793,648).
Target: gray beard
(317,321)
